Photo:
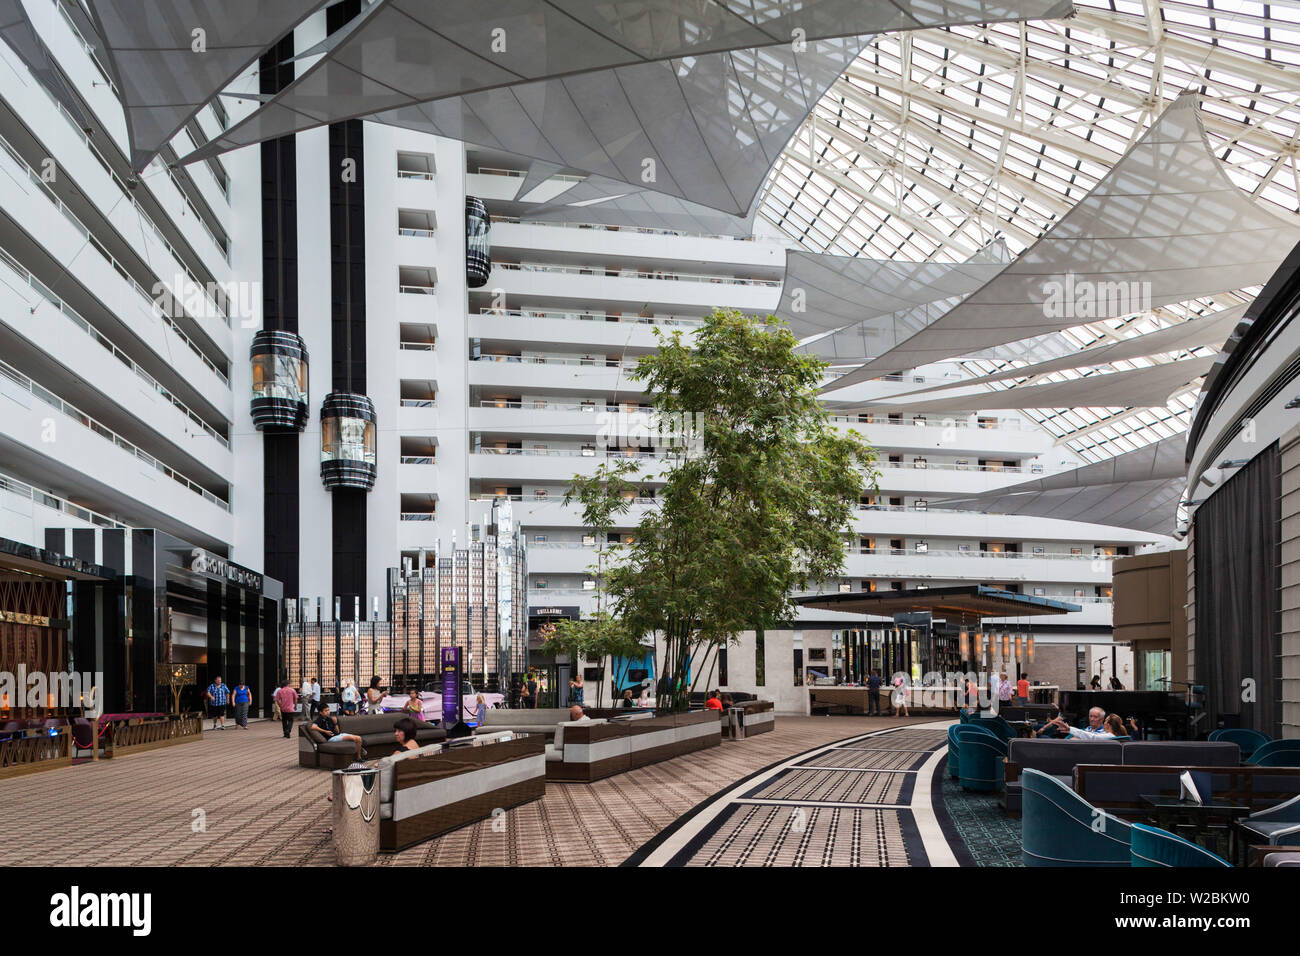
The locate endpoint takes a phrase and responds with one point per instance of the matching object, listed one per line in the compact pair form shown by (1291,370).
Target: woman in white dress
(899,698)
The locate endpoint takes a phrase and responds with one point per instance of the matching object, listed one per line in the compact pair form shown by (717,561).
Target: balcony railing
(99,247)
(540,404)
(418,516)
(417,289)
(639,230)
(24,490)
(1005,555)
(417,346)
(49,398)
(635,274)
(416,233)
(547,360)
(566,453)
(418,402)
(418,460)
(684,321)
(414,174)
(117,353)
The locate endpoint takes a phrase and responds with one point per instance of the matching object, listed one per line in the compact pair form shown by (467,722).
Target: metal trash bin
(356,816)
(736,723)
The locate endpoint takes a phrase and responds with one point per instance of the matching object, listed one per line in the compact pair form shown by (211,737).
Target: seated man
(1100,727)
(576,714)
(328,725)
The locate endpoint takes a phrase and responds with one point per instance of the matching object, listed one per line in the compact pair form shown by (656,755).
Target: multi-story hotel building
(327,395)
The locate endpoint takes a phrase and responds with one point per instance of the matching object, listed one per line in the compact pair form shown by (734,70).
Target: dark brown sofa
(590,750)
(375,731)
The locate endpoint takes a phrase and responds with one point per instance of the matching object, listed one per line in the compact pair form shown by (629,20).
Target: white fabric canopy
(1138,489)
(1164,225)
(17,31)
(823,292)
(1202,331)
(698,97)
(165,71)
(1133,388)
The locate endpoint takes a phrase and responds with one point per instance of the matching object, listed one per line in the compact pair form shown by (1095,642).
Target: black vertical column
(348,324)
(253,674)
(145,576)
(233,667)
(280,447)
(216,621)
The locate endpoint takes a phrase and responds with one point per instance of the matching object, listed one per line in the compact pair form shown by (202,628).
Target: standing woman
(242,697)
(528,694)
(900,699)
(575,689)
(350,697)
(374,697)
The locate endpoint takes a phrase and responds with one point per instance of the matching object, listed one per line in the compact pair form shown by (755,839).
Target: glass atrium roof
(936,142)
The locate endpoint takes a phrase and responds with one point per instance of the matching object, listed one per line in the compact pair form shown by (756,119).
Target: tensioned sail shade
(694,100)
(1139,489)
(17,31)
(170,57)
(1210,330)
(1132,388)
(823,292)
(1164,225)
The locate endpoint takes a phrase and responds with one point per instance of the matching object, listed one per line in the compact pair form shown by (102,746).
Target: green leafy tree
(605,495)
(756,501)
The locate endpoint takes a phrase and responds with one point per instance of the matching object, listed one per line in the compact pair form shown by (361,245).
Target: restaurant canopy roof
(967,601)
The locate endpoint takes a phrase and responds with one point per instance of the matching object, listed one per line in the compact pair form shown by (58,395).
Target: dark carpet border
(639,855)
(958,846)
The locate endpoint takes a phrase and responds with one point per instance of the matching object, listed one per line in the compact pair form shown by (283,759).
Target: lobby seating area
(1124,802)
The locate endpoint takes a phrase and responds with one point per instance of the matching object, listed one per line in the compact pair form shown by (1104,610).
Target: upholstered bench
(375,731)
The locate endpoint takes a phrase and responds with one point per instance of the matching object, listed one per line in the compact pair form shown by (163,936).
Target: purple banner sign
(451,679)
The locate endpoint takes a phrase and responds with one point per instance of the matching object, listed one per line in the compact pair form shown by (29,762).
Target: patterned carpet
(989,835)
(862,801)
(239,797)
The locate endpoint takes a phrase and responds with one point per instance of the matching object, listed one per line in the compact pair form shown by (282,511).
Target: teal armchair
(981,757)
(1276,826)
(1060,828)
(1277,753)
(1152,847)
(1247,740)
(954,759)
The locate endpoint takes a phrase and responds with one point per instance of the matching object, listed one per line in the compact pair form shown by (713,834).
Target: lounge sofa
(542,720)
(1120,789)
(591,749)
(440,787)
(1059,758)
(1060,828)
(375,731)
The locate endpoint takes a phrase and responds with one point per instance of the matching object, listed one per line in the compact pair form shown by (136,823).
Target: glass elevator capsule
(347,441)
(280,397)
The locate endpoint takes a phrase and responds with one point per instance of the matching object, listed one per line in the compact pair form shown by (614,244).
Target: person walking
(900,698)
(315,696)
(242,697)
(873,694)
(286,698)
(304,699)
(217,695)
(1022,689)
